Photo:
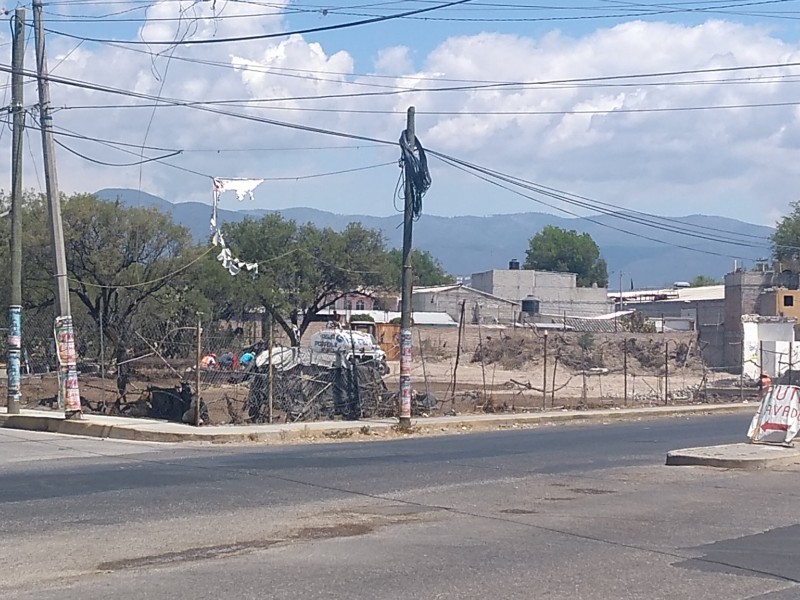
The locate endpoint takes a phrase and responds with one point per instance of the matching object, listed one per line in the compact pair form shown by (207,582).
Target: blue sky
(716,143)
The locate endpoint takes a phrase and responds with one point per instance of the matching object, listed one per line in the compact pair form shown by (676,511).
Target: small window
(788,300)
(348,305)
(360,305)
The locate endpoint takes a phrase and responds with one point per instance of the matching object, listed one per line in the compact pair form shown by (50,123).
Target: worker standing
(764,383)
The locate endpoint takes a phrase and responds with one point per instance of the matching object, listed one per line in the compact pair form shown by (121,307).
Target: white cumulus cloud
(617,140)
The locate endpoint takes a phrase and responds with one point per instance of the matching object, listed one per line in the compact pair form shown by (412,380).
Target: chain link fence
(153,367)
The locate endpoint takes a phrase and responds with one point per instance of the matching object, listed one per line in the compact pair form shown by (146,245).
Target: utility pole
(68,392)
(407,282)
(15,306)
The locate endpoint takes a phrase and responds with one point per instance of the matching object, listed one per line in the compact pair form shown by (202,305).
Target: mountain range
(649,251)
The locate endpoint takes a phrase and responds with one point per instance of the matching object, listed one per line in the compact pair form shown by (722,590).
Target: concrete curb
(748,457)
(147,430)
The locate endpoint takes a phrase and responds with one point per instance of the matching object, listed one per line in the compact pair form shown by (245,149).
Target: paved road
(559,512)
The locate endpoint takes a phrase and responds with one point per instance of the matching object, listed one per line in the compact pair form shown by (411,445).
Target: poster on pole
(69,397)
(778,417)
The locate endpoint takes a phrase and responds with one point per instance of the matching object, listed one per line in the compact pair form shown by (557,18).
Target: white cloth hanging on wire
(243,188)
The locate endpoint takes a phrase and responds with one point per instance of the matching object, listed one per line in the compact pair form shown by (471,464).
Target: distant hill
(647,256)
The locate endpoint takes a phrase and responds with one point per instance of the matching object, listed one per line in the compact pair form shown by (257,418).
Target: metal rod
(199,358)
(458,356)
(424,369)
(102,363)
(483,362)
(625,372)
(666,371)
(271,371)
(544,374)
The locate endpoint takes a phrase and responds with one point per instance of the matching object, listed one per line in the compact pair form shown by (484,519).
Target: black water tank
(530,305)
(513,264)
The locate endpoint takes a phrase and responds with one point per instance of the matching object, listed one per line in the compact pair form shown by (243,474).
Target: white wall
(773,337)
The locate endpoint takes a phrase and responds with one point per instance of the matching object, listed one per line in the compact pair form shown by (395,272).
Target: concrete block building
(702,307)
(543,292)
(759,292)
(479,307)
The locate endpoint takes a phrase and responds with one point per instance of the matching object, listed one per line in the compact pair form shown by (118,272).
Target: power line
(637,10)
(236,115)
(492,86)
(201,107)
(265,36)
(486,178)
(455,113)
(675,225)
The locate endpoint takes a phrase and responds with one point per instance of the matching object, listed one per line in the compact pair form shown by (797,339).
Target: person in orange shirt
(764,383)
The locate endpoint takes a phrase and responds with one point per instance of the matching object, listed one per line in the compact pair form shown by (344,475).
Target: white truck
(349,342)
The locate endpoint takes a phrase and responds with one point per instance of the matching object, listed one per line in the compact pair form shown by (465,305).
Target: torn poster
(243,188)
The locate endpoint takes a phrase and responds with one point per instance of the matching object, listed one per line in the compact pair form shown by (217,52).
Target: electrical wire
(457,113)
(144,283)
(589,204)
(415,172)
(265,36)
(587,218)
(247,117)
(490,176)
(491,86)
(103,163)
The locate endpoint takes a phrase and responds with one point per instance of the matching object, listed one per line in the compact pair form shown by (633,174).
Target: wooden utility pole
(407,281)
(15,304)
(65,337)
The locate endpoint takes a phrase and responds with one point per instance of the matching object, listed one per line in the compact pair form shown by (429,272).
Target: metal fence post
(102,363)
(625,371)
(199,332)
(666,372)
(544,373)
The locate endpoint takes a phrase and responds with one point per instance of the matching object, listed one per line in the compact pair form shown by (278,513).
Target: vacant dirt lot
(493,369)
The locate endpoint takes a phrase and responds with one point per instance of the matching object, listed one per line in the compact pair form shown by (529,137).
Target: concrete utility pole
(68,392)
(407,282)
(15,305)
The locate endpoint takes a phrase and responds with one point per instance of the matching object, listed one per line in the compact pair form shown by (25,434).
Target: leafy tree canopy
(426,269)
(702,280)
(557,249)
(786,239)
(303,269)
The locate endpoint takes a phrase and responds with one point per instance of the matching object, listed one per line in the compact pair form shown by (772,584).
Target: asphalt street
(579,511)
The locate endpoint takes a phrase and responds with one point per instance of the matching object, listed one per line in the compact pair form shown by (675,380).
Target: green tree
(37,285)
(786,238)
(557,249)
(302,269)
(703,280)
(126,267)
(427,270)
